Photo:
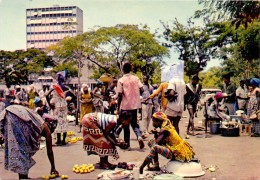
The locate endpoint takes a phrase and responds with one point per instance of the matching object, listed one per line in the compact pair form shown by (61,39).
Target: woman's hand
(122,145)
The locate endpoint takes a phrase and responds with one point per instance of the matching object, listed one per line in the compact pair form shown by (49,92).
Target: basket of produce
(106,78)
(230,128)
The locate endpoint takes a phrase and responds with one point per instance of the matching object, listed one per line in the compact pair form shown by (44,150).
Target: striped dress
(95,142)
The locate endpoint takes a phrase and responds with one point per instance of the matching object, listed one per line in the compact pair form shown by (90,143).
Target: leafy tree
(108,47)
(238,12)
(17,65)
(191,43)
(237,47)
(211,78)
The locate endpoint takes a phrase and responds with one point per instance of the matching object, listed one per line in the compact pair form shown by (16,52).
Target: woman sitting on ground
(100,131)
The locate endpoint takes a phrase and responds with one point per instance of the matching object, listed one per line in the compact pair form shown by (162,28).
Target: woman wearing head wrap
(100,132)
(86,103)
(167,142)
(98,96)
(59,109)
(31,95)
(215,105)
(254,105)
(22,129)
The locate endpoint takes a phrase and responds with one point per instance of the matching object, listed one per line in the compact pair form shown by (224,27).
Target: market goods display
(84,168)
(119,174)
(52,176)
(125,165)
(71,133)
(71,139)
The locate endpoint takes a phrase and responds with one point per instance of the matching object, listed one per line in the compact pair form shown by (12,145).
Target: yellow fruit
(45,177)
(52,176)
(91,169)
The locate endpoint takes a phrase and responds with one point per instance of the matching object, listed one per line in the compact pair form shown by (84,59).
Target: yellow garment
(31,96)
(87,106)
(180,148)
(162,89)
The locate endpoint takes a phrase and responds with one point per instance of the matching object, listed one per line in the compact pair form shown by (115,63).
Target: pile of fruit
(71,139)
(74,139)
(71,133)
(84,168)
(52,176)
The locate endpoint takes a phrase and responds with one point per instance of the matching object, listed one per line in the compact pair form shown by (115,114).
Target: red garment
(94,140)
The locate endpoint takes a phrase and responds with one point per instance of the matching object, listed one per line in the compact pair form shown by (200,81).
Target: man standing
(147,106)
(128,89)
(230,93)
(191,100)
(242,96)
(175,107)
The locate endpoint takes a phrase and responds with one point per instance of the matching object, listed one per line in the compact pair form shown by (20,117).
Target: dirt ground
(233,157)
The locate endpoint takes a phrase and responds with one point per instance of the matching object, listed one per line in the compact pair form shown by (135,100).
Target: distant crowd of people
(108,109)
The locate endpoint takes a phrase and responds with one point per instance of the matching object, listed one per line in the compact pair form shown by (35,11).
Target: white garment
(180,87)
(242,93)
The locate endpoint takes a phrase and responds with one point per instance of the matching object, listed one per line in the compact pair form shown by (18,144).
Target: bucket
(215,128)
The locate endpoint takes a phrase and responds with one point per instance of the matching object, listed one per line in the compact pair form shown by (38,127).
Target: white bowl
(185,169)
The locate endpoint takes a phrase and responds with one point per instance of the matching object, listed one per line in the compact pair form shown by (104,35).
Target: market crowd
(111,107)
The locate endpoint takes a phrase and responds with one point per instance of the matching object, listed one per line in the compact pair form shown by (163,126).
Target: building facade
(47,26)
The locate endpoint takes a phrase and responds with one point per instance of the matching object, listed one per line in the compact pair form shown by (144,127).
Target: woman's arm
(110,136)
(162,136)
(47,134)
(48,96)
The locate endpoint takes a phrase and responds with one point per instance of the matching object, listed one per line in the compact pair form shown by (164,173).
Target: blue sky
(96,13)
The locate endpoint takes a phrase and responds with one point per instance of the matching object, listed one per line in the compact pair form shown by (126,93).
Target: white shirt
(180,87)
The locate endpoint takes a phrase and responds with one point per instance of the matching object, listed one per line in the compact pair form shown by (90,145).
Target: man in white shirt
(175,108)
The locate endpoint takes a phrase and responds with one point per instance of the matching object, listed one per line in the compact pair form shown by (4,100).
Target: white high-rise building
(46,26)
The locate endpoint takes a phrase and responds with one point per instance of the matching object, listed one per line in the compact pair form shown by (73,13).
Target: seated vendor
(100,132)
(215,108)
(167,142)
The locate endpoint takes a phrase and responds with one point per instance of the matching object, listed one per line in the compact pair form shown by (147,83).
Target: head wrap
(17,86)
(255,82)
(68,98)
(219,95)
(84,85)
(99,83)
(162,117)
(36,100)
(58,90)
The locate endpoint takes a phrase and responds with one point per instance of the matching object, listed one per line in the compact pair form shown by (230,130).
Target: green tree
(191,43)
(211,78)
(108,47)
(238,12)
(17,65)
